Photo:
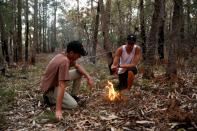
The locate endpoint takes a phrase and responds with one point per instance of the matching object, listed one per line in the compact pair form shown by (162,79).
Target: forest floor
(156,104)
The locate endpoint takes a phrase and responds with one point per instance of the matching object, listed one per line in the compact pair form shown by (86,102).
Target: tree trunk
(182,52)
(19,32)
(44,26)
(2,34)
(15,55)
(142,28)
(35,34)
(121,29)
(171,70)
(161,41)
(153,38)
(54,44)
(40,39)
(78,21)
(105,21)
(188,17)
(4,39)
(26,31)
(95,34)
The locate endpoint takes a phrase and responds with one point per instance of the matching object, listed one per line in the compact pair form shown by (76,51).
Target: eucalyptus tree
(95,33)
(161,33)
(121,30)
(78,21)
(55,5)
(14,31)
(171,70)
(188,9)
(105,24)
(153,38)
(34,47)
(3,33)
(44,24)
(19,31)
(142,27)
(26,29)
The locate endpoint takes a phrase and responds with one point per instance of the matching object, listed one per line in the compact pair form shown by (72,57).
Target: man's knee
(74,74)
(69,102)
(131,75)
(70,105)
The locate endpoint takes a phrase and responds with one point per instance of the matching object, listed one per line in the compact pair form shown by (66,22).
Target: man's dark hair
(131,38)
(76,47)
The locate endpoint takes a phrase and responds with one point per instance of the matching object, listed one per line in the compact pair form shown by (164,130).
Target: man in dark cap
(125,63)
(58,74)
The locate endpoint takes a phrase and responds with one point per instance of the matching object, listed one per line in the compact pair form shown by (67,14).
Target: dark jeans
(123,79)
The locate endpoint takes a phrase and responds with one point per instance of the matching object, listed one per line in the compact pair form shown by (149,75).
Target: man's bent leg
(68,101)
(75,76)
(130,79)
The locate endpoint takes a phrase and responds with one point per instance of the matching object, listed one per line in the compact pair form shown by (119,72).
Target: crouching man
(125,63)
(58,74)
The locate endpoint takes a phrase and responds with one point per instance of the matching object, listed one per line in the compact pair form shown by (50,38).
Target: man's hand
(58,115)
(115,69)
(90,82)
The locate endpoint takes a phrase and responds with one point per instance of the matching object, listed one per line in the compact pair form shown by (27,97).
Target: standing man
(125,63)
(58,74)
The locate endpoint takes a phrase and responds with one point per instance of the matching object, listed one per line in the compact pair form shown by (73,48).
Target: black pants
(123,79)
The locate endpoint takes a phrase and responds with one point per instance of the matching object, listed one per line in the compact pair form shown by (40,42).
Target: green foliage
(2,120)
(46,117)
(6,95)
(6,98)
(145,84)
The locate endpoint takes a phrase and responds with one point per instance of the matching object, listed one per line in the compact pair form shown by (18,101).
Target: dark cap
(76,47)
(131,38)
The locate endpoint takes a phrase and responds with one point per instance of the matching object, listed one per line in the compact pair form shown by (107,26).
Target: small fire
(112,94)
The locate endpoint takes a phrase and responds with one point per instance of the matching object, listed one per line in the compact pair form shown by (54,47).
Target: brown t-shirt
(57,69)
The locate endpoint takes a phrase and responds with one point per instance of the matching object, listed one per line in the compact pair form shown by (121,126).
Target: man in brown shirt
(57,75)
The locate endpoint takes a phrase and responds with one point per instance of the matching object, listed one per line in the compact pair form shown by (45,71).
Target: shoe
(46,101)
(119,88)
(77,99)
(81,101)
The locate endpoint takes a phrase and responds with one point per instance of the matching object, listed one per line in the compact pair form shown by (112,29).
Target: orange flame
(112,94)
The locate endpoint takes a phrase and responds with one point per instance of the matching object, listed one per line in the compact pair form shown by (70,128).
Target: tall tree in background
(95,34)
(14,31)
(188,9)
(54,36)
(120,24)
(44,32)
(19,32)
(153,38)
(142,27)
(161,41)
(105,23)
(26,30)
(40,25)
(4,36)
(34,47)
(78,21)
(171,70)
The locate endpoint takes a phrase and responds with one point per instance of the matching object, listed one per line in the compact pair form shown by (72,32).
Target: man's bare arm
(59,99)
(84,72)
(116,58)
